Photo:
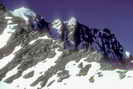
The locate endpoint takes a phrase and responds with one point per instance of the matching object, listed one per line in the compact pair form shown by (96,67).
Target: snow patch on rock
(43,37)
(57,24)
(128,54)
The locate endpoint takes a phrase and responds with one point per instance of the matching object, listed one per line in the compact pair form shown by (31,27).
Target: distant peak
(57,23)
(24,13)
(72,21)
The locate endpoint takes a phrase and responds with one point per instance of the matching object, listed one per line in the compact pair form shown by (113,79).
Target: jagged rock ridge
(32,60)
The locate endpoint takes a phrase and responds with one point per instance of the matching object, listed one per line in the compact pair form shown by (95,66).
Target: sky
(117,15)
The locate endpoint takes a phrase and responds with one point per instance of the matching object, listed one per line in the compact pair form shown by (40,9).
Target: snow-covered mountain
(33,60)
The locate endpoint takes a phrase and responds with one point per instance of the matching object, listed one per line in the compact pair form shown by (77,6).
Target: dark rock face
(29,75)
(63,75)
(84,70)
(2,19)
(2,8)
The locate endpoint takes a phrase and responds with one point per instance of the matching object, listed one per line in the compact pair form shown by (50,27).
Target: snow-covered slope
(33,60)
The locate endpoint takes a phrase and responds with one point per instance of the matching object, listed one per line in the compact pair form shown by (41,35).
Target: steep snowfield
(7,59)
(33,60)
(9,30)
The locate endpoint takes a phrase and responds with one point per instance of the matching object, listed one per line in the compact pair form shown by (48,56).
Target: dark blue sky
(116,15)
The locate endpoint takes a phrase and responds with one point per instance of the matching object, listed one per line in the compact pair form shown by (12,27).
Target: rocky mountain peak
(33,59)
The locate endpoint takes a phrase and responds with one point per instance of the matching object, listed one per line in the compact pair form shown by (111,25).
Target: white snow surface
(6,86)
(43,37)
(4,61)
(7,33)
(8,17)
